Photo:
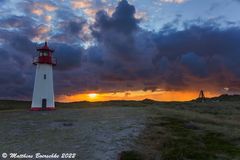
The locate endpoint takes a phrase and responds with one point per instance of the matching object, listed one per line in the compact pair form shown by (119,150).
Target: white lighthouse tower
(43,93)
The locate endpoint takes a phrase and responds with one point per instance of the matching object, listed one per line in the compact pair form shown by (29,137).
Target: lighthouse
(43,92)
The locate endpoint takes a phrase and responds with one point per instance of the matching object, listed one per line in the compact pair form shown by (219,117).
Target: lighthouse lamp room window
(43,92)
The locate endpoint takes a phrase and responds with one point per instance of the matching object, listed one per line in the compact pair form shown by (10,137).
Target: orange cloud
(81,4)
(90,12)
(38,12)
(49,8)
(43,29)
(42,33)
(48,18)
(44,6)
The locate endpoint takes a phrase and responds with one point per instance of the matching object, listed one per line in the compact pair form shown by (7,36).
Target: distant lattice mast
(201,96)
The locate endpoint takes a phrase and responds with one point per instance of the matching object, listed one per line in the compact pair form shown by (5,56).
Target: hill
(14,104)
(221,98)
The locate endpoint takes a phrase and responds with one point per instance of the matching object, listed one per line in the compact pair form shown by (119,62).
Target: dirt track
(92,133)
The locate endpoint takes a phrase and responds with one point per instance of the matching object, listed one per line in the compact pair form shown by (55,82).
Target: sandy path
(92,133)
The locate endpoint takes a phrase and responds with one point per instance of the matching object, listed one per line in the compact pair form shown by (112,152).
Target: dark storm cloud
(171,58)
(116,33)
(15,21)
(95,56)
(15,65)
(195,64)
(122,20)
(74,27)
(22,43)
(68,56)
(70,27)
(18,41)
(206,42)
(22,24)
(124,57)
(16,74)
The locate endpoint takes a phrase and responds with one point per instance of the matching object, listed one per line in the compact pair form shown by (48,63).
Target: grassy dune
(192,131)
(132,130)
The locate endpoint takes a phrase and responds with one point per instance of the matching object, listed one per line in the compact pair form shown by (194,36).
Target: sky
(165,50)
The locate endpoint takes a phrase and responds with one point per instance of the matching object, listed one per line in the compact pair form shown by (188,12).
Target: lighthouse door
(44,103)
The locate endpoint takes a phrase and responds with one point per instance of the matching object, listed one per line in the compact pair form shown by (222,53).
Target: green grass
(192,131)
(26,105)
(14,105)
(185,143)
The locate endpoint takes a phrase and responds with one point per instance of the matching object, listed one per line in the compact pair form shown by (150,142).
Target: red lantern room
(45,56)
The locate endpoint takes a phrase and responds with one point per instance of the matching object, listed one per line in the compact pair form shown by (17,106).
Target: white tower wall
(43,87)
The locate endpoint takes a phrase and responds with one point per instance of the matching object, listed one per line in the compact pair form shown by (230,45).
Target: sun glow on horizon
(92,95)
(135,95)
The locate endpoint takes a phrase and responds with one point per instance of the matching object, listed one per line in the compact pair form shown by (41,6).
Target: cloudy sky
(135,49)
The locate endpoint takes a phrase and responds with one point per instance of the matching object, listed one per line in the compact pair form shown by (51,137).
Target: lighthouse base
(43,109)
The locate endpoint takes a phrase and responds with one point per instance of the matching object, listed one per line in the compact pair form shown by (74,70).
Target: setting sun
(92,95)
